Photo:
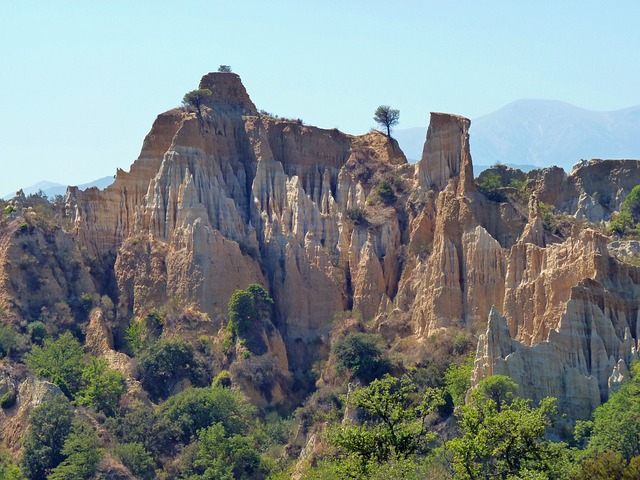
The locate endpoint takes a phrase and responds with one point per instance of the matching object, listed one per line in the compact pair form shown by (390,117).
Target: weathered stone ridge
(236,197)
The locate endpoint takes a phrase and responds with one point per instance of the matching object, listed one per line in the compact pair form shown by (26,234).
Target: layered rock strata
(230,197)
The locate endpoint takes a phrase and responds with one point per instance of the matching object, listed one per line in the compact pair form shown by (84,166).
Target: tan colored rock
(99,342)
(14,421)
(446,154)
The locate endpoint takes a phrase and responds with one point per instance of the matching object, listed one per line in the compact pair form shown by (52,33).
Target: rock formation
(326,222)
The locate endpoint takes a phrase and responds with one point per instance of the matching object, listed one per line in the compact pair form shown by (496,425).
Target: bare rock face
(99,342)
(229,197)
(446,153)
(233,197)
(14,421)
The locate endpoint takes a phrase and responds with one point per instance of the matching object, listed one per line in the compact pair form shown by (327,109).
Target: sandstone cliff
(329,221)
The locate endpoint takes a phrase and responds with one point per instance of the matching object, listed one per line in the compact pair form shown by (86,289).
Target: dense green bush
(136,459)
(356,215)
(490,185)
(9,340)
(197,408)
(101,388)
(361,353)
(37,332)
(59,361)
(82,454)
(167,362)
(246,307)
(142,424)
(8,469)
(225,456)
(385,191)
(50,424)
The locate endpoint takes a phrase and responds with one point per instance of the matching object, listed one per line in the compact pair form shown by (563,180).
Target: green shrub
(197,408)
(621,223)
(50,424)
(8,400)
(166,363)
(385,191)
(82,454)
(458,380)
(59,361)
(357,216)
(361,354)
(9,340)
(490,185)
(223,379)
(37,332)
(546,212)
(101,388)
(246,307)
(136,459)
(143,425)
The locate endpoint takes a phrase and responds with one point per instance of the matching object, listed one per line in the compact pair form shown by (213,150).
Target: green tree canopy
(361,353)
(196,408)
(82,454)
(226,457)
(165,363)
(101,387)
(59,361)
(50,423)
(136,458)
(247,307)
(394,426)
(505,440)
(196,98)
(616,425)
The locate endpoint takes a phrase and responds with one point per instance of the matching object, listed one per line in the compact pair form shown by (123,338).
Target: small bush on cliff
(362,354)
(490,185)
(386,192)
(357,216)
(101,387)
(50,424)
(137,459)
(9,340)
(59,361)
(197,98)
(8,400)
(166,363)
(628,217)
(246,307)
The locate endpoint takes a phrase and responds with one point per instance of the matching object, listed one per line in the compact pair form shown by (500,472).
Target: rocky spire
(446,154)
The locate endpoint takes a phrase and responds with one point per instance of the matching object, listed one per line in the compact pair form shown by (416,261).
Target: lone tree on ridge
(387,117)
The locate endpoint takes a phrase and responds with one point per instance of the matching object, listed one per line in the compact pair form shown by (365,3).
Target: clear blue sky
(81,81)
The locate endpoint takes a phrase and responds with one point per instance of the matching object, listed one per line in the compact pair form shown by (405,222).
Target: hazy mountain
(51,189)
(543,133)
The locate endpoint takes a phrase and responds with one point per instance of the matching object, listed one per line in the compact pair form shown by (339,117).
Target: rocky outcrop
(14,421)
(225,197)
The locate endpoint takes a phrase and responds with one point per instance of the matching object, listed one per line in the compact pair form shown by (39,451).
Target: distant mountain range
(541,133)
(51,189)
